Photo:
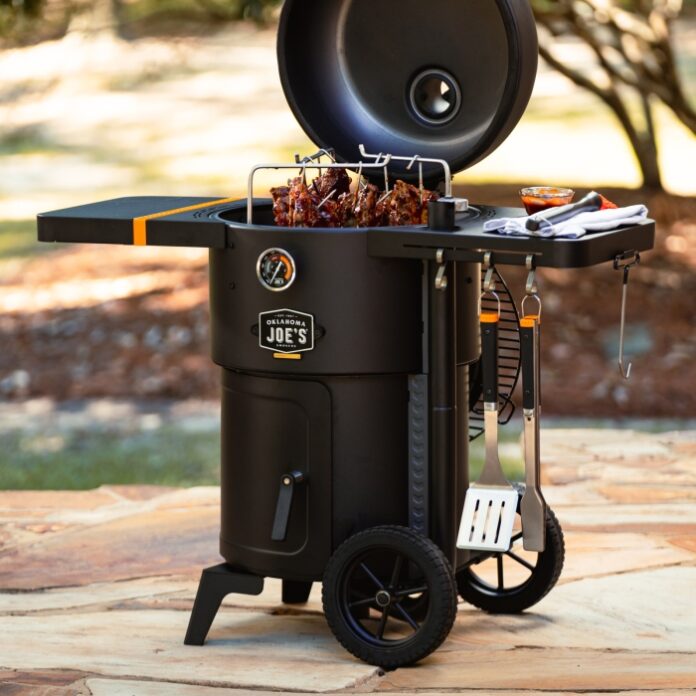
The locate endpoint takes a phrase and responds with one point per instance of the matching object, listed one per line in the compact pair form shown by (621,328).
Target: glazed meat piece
(404,206)
(329,214)
(366,206)
(346,210)
(281,205)
(382,209)
(303,206)
(332,180)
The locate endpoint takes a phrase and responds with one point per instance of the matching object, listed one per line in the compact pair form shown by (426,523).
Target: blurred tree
(631,41)
(634,64)
(16,12)
(29,21)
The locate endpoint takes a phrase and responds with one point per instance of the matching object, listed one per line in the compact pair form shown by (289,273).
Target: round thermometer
(276,269)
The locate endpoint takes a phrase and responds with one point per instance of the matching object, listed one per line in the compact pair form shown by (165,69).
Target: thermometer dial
(276,269)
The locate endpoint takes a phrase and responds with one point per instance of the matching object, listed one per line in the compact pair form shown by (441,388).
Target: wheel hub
(383,598)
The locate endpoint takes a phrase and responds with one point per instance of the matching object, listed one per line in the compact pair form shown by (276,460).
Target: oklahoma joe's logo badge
(286,331)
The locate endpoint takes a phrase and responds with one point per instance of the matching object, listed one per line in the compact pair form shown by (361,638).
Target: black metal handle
(527,361)
(284,505)
(590,203)
(489,356)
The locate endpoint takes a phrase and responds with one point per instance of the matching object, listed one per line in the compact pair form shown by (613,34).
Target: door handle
(284,505)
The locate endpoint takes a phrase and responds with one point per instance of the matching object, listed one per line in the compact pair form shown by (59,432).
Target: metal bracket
(625,262)
(531,286)
(488,282)
(489,267)
(440,278)
(531,289)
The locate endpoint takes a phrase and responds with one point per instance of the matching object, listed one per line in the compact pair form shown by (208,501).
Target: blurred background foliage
(106,98)
(632,42)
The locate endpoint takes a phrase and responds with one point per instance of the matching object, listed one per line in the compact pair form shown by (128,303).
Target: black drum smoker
(357,362)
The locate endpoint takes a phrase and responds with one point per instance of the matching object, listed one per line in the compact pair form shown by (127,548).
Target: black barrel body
(338,415)
(367,311)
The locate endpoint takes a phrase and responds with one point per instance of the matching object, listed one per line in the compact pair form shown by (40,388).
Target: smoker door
(270,428)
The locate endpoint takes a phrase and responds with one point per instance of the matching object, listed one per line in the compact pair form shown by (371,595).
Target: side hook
(625,262)
(441,281)
(489,267)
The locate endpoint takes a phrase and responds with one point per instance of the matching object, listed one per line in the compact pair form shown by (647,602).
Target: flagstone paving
(96,588)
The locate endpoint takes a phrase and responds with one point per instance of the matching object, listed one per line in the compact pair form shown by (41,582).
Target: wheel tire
(378,551)
(516,599)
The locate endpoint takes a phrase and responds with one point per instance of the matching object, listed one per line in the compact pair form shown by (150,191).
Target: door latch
(284,505)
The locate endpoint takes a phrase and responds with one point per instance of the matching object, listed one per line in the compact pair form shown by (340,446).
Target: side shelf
(469,242)
(141,220)
(203,222)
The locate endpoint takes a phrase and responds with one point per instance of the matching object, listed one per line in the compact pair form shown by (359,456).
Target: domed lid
(444,79)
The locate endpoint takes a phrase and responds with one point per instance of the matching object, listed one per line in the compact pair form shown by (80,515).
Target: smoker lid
(446,79)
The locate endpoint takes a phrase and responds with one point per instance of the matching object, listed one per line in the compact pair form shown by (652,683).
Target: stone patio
(96,589)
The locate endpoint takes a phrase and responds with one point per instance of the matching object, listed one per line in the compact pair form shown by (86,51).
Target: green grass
(85,459)
(18,239)
(172,455)
(77,459)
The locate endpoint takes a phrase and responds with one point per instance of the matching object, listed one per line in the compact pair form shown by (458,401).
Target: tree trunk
(643,142)
(648,161)
(648,157)
(98,17)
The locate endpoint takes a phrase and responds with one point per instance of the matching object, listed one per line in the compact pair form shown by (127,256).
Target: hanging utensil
(533,505)
(553,216)
(625,262)
(491,503)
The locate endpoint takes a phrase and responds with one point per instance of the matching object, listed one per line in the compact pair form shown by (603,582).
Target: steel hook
(489,278)
(531,285)
(532,296)
(441,281)
(625,262)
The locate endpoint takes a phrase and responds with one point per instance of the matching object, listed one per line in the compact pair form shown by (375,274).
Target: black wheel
(508,583)
(369,584)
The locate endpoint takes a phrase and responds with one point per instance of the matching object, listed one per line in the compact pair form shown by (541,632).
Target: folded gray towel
(598,221)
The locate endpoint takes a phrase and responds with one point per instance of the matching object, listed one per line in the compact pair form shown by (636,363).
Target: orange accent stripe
(287,356)
(140,223)
(489,318)
(528,321)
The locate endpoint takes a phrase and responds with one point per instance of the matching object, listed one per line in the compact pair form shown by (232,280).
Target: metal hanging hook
(489,283)
(409,166)
(531,285)
(421,188)
(440,277)
(489,278)
(625,262)
(357,188)
(531,288)
(532,296)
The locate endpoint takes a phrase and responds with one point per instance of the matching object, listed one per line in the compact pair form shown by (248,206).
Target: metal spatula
(491,503)
(533,505)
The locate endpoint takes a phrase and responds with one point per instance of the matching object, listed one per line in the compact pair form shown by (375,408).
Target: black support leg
(443,465)
(296,592)
(216,583)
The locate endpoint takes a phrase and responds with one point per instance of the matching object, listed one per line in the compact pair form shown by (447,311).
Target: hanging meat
(332,182)
(403,205)
(303,206)
(281,205)
(329,202)
(366,206)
